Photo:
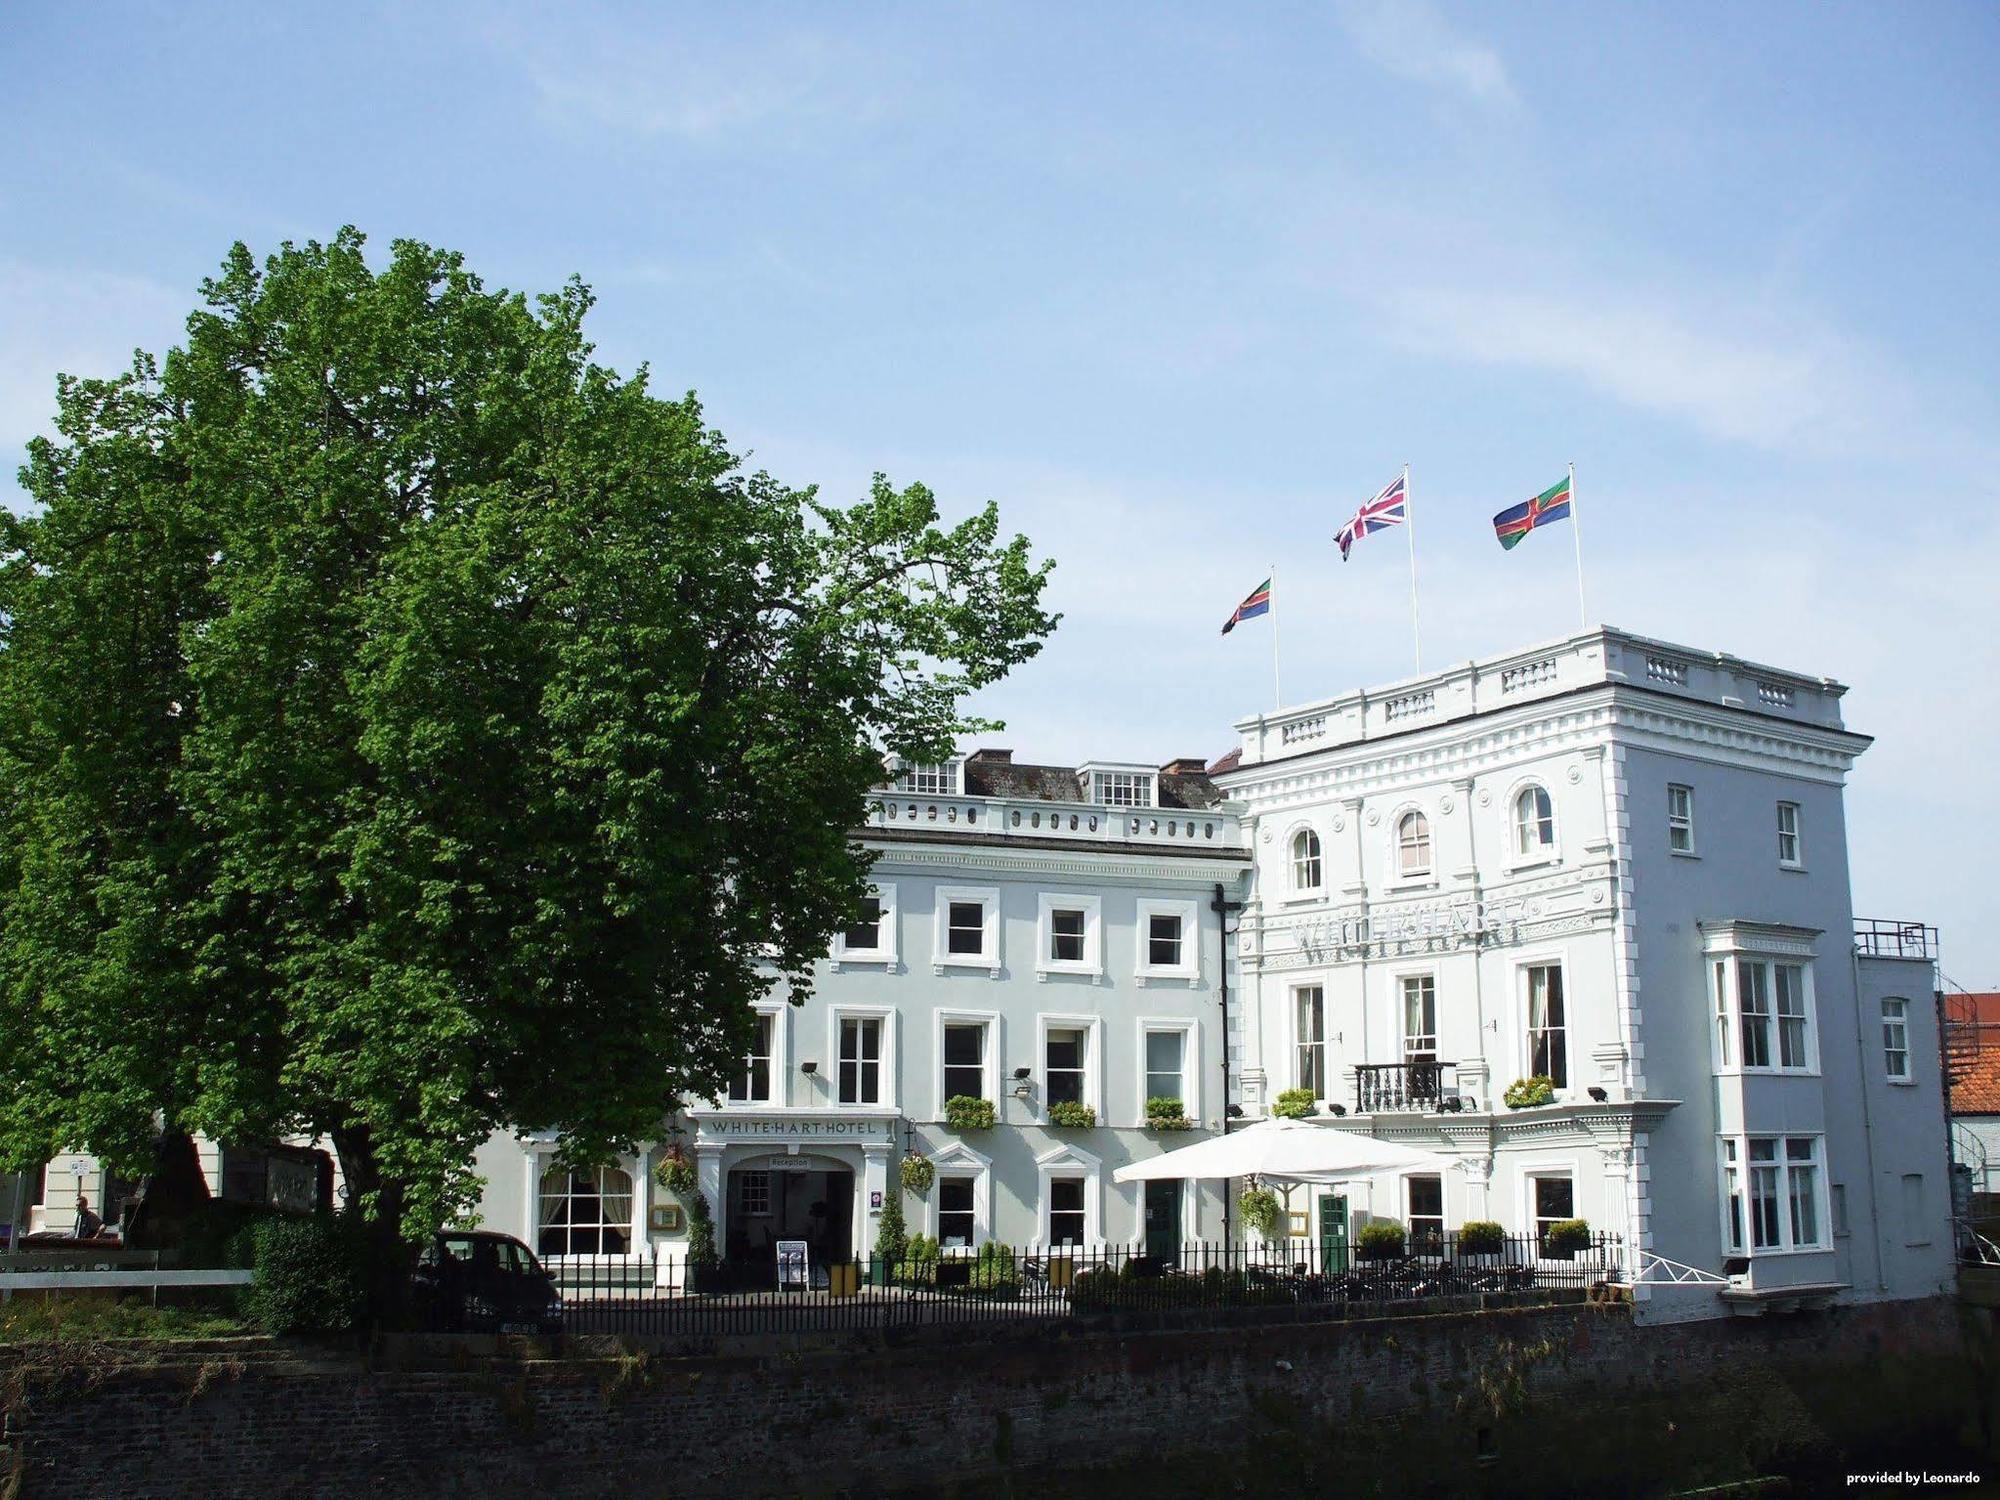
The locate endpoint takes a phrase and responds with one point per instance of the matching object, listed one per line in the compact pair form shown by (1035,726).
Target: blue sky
(1179,288)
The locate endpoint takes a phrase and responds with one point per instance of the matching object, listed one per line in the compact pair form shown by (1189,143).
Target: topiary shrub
(1072,1114)
(1565,1237)
(920,1259)
(918,1173)
(963,1112)
(1481,1237)
(891,1242)
(1527,1093)
(702,1260)
(1163,1113)
(1293,1104)
(309,1276)
(1379,1239)
(1259,1207)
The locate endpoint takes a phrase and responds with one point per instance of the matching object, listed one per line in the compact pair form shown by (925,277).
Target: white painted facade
(1655,834)
(1096,1009)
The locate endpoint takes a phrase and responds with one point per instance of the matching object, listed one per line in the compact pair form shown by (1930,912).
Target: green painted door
(1163,1221)
(1333,1234)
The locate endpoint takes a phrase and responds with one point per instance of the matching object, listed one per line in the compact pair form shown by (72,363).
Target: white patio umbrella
(1289,1150)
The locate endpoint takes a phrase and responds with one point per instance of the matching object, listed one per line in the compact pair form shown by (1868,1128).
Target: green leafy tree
(410,728)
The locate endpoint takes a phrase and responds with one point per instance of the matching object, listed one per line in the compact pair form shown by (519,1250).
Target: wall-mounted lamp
(1235,1111)
(808,1068)
(1022,1074)
(1336,1110)
(1597,1094)
(1451,1105)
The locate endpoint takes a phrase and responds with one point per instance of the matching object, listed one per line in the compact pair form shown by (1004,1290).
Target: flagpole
(1410,526)
(1576,536)
(1277,683)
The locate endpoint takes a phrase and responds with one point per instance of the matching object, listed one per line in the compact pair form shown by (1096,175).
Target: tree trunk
(376,1202)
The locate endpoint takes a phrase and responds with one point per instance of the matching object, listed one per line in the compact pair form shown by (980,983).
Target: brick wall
(1563,1400)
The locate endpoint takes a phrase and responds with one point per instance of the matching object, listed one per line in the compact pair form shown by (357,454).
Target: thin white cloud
(1411,40)
(671,80)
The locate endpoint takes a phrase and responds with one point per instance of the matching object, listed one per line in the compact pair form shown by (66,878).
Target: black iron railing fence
(654,1295)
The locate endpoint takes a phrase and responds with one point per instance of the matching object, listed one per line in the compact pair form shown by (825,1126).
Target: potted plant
(918,1173)
(1163,1113)
(678,1176)
(1481,1237)
(1529,1093)
(1259,1207)
(1072,1114)
(963,1112)
(1562,1239)
(1293,1104)
(1379,1239)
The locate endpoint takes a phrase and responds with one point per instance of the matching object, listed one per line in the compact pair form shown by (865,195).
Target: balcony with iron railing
(1875,938)
(1418,1086)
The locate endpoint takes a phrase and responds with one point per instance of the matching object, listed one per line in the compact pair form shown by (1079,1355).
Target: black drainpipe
(1222,906)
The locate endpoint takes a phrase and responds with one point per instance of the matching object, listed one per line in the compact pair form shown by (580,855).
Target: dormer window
(929,780)
(1122,788)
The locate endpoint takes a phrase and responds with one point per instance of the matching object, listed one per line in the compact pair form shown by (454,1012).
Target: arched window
(1413,844)
(1307,868)
(1534,822)
(586,1213)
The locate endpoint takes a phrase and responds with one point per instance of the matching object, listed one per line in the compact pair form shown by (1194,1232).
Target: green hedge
(309,1276)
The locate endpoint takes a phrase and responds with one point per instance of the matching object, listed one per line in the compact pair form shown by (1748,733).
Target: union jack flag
(1387,509)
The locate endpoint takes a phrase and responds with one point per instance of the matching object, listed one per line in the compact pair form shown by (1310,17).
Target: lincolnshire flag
(1386,509)
(1257,604)
(1552,504)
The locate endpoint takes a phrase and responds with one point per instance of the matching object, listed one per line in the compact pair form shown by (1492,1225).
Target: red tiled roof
(1975,1058)
(1227,762)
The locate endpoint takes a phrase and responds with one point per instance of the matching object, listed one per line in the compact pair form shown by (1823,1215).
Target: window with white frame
(585,1212)
(1680,818)
(1552,1199)
(968,926)
(872,935)
(1122,788)
(964,1059)
(1534,823)
(1548,1023)
(1774,1014)
(1413,846)
(1761,997)
(861,1059)
(1166,1065)
(753,1194)
(1424,1200)
(1308,867)
(1732,1197)
(1071,934)
(957,1212)
(1782,1192)
(1066,1214)
(1065,1060)
(929,780)
(1420,1019)
(1309,1006)
(1896,1039)
(754,1084)
(1167,938)
(1790,852)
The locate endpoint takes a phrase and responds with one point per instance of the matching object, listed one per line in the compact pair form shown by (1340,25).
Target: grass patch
(59,1319)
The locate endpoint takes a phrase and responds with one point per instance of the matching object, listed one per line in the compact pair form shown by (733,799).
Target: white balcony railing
(1088,822)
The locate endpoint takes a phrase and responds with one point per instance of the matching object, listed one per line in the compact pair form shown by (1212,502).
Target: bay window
(1763,1008)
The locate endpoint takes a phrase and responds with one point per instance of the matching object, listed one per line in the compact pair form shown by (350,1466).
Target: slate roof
(1182,783)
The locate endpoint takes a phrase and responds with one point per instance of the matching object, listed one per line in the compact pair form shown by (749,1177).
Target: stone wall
(1543,1401)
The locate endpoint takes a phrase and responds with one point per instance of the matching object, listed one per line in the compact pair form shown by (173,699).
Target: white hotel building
(1620,865)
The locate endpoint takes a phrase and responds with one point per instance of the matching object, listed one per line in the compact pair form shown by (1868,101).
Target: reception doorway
(788,1198)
